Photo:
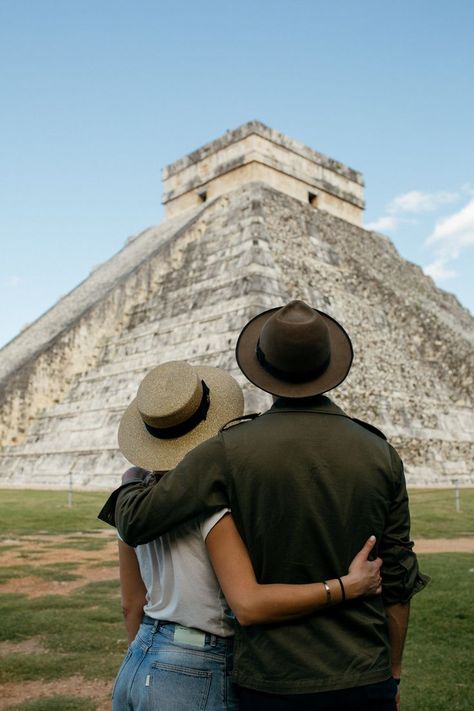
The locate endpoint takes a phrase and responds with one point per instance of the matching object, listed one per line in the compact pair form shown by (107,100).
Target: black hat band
(301,376)
(186,426)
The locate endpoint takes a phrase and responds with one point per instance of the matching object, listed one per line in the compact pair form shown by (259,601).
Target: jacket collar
(320,403)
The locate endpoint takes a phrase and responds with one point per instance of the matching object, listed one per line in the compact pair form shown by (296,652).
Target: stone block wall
(186,291)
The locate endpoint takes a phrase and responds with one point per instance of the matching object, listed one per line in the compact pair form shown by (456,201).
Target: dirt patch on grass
(445,545)
(97,689)
(41,551)
(33,586)
(32,645)
(88,566)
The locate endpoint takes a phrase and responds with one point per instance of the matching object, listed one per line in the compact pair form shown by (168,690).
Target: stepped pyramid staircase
(253,220)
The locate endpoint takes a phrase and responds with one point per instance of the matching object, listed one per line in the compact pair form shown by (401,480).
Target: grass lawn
(82,632)
(32,512)
(438,664)
(434,515)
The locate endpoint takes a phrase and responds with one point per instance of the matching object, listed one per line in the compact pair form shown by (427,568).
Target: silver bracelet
(328,592)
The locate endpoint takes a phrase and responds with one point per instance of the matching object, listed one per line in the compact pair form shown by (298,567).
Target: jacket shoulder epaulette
(239,420)
(369,427)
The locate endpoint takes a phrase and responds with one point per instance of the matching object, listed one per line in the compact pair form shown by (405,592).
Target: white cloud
(451,236)
(416,201)
(438,271)
(383,223)
(455,231)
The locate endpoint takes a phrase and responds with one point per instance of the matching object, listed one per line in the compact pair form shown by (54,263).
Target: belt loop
(211,639)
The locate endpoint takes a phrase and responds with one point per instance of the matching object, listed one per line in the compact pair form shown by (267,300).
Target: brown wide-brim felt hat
(294,351)
(177,407)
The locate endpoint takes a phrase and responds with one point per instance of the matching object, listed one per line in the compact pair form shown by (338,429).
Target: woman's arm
(132,589)
(253,603)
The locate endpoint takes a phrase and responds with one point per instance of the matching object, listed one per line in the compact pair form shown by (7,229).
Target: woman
(180,656)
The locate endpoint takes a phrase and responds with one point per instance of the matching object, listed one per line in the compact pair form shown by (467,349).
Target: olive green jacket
(307,486)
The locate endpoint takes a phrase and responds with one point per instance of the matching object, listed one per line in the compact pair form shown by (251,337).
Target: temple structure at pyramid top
(253,220)
(255,153)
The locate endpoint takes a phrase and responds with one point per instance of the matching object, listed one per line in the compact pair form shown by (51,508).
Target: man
(307,485)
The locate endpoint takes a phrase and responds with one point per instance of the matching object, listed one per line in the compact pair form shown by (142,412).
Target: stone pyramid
(253,219)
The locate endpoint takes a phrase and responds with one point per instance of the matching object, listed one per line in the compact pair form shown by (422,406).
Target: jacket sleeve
(401,577)
(198,485)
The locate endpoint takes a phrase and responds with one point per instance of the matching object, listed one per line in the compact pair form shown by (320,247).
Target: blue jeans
(173,668)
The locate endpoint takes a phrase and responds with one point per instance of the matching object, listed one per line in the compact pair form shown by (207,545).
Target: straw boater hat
(294,351)
(177,407)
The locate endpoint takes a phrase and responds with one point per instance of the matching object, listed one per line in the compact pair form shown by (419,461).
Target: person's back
(180,582)
(308,484)
(181,635)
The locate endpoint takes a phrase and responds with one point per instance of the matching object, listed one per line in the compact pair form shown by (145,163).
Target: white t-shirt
(180,581)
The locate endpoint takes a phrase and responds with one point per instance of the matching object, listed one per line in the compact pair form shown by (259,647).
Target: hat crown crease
(295,340)
(169,395)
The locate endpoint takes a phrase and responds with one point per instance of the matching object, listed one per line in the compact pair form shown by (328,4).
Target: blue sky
(98,95)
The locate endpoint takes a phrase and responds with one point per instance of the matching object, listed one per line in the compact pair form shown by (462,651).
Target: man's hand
(133,474)
(364,574)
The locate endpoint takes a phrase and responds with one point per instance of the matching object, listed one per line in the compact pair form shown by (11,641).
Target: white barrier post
(457,496)
(69,494)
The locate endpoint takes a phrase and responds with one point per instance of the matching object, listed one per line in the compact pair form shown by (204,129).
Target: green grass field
(32,512)
(82,633)
(434,515)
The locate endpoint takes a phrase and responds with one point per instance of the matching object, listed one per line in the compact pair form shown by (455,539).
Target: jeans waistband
(186,635)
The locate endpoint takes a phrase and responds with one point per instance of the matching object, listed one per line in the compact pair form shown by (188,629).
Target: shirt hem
(310,685)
